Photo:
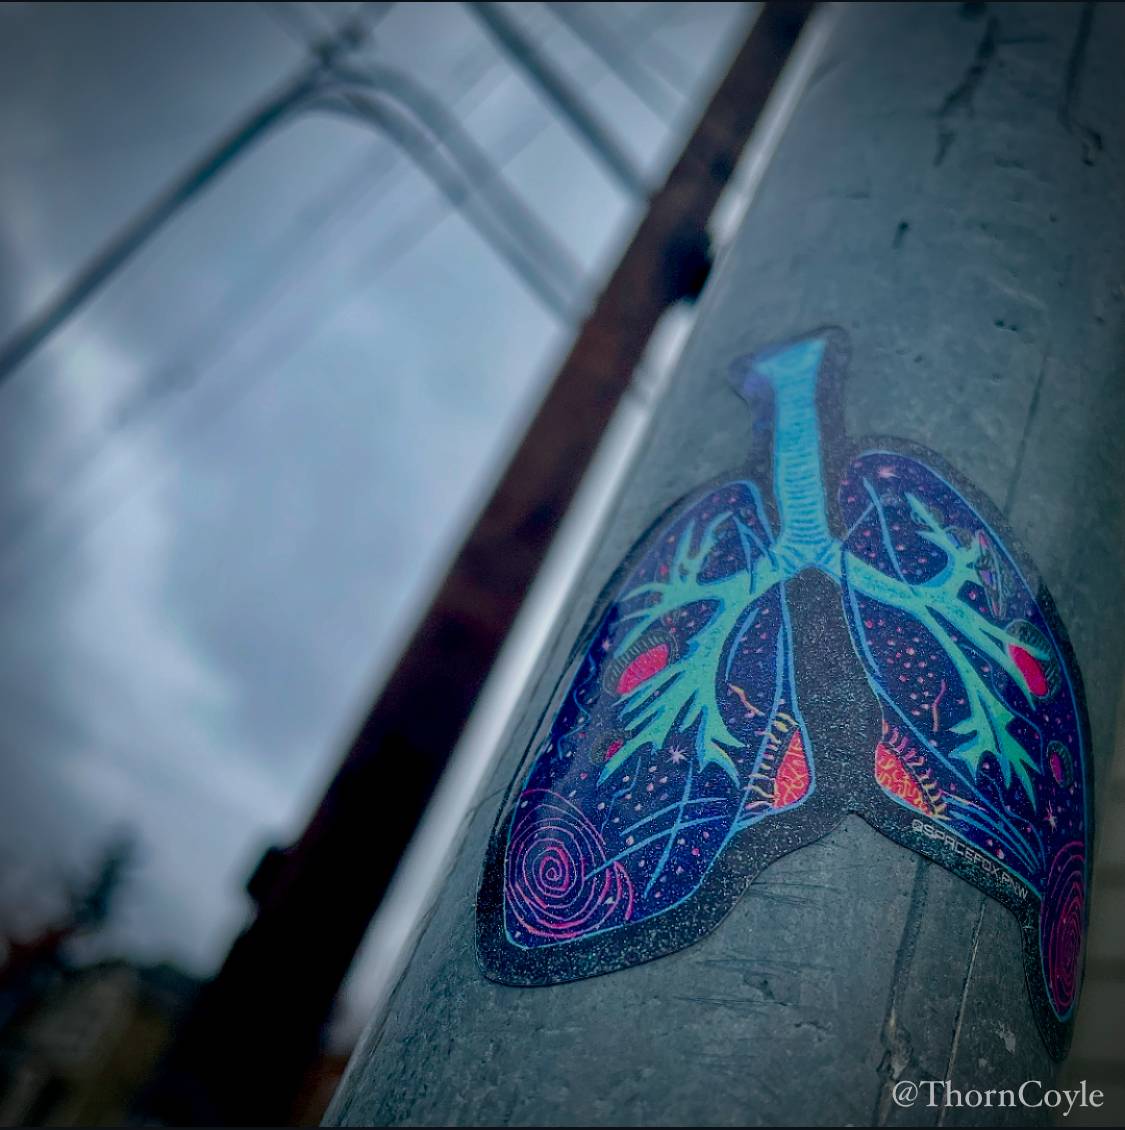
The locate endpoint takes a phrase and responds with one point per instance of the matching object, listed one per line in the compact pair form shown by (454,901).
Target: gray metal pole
(951,192)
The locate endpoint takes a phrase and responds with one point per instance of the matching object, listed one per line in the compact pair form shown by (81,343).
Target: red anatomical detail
(792,780)
(902,771)
(643,668)
(1031,671)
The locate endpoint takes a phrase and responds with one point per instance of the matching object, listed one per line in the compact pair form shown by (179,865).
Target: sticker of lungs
(683,751)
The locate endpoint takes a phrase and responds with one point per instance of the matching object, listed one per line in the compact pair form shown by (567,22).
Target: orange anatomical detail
(792,780)
(902,771)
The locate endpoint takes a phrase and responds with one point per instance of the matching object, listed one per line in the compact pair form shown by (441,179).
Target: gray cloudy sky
(227,486)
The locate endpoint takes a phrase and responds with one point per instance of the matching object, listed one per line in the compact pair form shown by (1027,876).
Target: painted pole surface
(950,193)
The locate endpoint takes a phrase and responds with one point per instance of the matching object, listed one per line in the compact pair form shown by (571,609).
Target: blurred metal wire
(323,76)
(182,374)
(541,259)
(558,89)
(651,86)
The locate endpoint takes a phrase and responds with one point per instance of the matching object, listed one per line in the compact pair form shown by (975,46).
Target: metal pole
(938,194)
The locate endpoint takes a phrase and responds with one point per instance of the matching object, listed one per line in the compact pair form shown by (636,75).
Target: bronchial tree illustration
(684,754)
(686,697)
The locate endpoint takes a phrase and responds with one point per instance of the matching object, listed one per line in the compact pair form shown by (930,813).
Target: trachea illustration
(862,636)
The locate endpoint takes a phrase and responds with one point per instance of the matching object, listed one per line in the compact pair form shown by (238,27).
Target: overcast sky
(227,486)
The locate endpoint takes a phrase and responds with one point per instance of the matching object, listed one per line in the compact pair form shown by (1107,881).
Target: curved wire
(489,182)
(586,25)
(136,234)
(323,77)
(567,101)
(459,190)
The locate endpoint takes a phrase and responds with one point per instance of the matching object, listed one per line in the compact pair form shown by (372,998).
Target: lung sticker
(864,636)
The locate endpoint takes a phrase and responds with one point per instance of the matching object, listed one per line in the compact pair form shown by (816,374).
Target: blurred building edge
(78,1041)
(79,1055)
(246,1050)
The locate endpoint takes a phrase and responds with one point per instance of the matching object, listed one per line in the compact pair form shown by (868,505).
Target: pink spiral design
(1062,923)
(559,884)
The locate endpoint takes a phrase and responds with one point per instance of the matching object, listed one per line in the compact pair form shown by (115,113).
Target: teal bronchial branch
(684,698)
(937,605)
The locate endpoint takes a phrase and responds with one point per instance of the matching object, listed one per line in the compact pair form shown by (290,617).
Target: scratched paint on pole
(864,637)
